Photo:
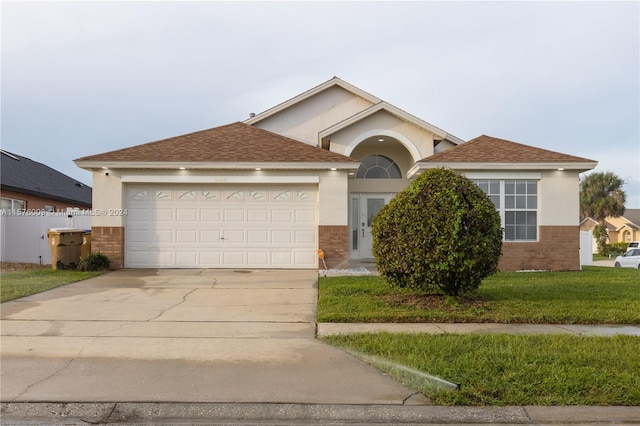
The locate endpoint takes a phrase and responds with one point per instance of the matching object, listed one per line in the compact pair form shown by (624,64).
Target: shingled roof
(235,142)
(25,176)
(487,149)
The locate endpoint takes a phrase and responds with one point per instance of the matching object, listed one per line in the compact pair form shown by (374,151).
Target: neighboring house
(28,185)
(310,174)
(619,229)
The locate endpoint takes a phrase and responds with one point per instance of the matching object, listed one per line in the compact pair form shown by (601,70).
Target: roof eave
(574,166)
(176,165)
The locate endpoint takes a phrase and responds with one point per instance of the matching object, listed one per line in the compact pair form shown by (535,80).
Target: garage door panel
(258,216)
(162,214)
(225,226)
(258,236)
(281,258)
(187,215)
(162,235)
(187,258)
(232,237)
(282,216)
(305,216)
(138,235)
(234,195)
(233,215)
(305,237)
(186,236)
(258,259)
(210,215)
(138,215)
(234,258)
(210,237)
(306,257)
(282,236)
(210,258)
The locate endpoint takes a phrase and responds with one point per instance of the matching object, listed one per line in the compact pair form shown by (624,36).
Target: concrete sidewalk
(326,328)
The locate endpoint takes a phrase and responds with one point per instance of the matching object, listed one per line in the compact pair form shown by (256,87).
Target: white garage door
(221,226)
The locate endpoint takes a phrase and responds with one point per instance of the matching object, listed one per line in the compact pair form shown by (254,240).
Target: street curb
(167,413)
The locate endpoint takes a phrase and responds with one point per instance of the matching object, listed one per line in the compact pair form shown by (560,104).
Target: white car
(631,259)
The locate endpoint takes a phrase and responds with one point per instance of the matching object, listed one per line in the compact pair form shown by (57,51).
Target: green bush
(441,233)
(94,262)
(615,249)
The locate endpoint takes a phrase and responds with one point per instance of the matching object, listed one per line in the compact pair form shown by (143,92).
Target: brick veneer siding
(558,249)
(109,240)
(334,242)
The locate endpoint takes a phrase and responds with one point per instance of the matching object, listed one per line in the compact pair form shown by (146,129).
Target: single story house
(622,229)
(309,174)
(29,185)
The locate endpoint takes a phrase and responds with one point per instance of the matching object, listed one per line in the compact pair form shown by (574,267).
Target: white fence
(586,247)
(24,238)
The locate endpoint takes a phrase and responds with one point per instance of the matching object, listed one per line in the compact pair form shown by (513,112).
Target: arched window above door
(378,167)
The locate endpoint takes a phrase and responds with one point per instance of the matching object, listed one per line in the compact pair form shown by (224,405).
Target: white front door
(363,209)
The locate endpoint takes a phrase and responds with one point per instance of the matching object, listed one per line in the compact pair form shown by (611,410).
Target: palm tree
(601,196)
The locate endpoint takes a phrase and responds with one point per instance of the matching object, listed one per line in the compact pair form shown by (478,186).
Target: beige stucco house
(310,174)
(622,229)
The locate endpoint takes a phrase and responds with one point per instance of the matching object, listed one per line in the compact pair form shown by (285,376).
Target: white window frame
(529,200)
(13,201)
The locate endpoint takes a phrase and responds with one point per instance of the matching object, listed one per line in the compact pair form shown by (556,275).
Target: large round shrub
(442,232)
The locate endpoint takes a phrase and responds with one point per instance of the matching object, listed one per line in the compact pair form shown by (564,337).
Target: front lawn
(500,369)
(14,285)
(596,295)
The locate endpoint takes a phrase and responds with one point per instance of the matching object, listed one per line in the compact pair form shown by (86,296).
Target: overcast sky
(81,78)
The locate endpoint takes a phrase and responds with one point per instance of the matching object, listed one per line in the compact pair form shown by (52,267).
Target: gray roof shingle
(25,176)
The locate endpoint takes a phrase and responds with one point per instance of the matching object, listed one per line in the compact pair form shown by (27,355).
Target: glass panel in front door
(374,204)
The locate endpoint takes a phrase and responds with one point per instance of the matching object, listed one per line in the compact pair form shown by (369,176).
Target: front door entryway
(363,209)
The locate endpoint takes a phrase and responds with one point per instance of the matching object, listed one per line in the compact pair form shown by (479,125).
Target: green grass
(596,295)
(600,257)
(14,285)
(499,369)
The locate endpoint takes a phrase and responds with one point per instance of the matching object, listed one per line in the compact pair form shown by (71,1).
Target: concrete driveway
(182,336)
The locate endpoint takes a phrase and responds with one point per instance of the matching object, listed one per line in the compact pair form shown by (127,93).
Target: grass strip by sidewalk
(502,369)
(596,295)
(14,285)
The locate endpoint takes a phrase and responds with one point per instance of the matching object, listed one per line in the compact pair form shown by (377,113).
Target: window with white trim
(516,201)
(378,167)
(12,204)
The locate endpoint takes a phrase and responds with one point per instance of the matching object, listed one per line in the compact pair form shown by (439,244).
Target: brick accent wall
(334,241)
(109,240)
(558,249)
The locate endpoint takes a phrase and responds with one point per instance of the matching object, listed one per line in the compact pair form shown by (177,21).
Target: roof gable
(335,81)
(488,149)
(25,176)
(233,143)
(395,111)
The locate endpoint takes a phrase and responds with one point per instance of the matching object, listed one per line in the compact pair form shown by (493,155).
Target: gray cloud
(80,78)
